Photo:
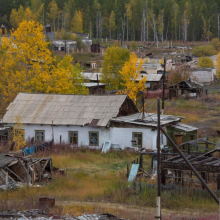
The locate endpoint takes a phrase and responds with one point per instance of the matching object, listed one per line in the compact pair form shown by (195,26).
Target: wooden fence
(176,190)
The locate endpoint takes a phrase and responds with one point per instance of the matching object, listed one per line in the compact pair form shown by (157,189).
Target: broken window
(94,138)
(73,137)
(137,139)
(39,135)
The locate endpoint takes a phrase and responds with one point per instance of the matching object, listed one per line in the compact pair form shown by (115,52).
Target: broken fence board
(133,172)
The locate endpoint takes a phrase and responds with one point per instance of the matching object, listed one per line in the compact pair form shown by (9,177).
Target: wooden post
(218,181)
(137,160)
(182,180)
(163,176)
(203,175)
(128,171)
(141,161)
(179,175)
(158,199)
(27,175)
(6,181)
(60,139)
(33,176)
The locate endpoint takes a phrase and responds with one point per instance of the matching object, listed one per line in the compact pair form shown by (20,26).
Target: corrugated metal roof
(150,119)
(151,77)
(184,127)
(93,84)
(91,76)
(63,109)
(150,65)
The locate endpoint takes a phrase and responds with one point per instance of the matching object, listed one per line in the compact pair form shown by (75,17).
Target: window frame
(139,146)
(90,144)
(36,134)
(77,137)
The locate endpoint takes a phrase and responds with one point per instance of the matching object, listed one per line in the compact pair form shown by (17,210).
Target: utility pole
(158,200)
(164,72)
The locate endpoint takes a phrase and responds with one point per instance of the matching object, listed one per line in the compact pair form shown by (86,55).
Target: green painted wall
(187,135)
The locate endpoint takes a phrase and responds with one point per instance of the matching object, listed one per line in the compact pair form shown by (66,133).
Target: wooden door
(179,140)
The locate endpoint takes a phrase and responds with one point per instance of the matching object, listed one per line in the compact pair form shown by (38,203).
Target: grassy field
(95,182)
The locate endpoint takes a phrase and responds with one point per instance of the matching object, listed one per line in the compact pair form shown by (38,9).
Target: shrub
(207,50)
(215,43)
(133,45)
(205,62)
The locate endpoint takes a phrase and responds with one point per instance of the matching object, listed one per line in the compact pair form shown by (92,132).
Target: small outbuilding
(185,88)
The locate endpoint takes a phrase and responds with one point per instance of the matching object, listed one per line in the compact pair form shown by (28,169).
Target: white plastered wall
(120,136)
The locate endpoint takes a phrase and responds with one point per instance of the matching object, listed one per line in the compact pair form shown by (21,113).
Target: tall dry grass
(95,178)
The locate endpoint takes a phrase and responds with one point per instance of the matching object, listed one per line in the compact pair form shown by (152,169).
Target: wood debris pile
(15,170)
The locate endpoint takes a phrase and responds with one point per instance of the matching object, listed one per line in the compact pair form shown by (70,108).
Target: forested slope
(132,19)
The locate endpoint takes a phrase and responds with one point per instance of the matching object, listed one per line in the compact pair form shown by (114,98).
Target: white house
(85,120)
(204,75)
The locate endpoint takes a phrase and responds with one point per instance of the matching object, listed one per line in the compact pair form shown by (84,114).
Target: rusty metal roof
(63,109)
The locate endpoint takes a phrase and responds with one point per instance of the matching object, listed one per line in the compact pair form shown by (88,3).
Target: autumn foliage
(27,65)
(132,81)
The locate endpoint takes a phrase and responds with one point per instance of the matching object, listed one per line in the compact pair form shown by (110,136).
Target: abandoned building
(153,81)
(151,68)
(64,45)
(204,75)
(91,77)
(95,88)
(185,88)
(86,120)
(95,48)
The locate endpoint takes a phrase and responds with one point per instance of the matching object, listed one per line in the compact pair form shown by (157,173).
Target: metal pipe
(190,165)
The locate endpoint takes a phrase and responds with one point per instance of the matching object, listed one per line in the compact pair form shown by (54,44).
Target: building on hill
(185,88)
(204,75)
(153,81)
(86,120)
(62,44)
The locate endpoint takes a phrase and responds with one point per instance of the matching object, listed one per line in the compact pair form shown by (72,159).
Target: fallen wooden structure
(16,169)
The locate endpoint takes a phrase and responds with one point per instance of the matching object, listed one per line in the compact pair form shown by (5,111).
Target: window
(73,137)
(39,135)
(137,139)
(94,138)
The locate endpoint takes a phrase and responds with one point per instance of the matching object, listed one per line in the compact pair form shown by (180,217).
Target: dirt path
(134,212)
(207,126)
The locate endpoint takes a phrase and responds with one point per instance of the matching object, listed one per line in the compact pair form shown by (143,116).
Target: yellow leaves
(132,79)
(218,66)
(112,24)
(27,65)
(17,135)
(77,22)
(114,59)
(205,62)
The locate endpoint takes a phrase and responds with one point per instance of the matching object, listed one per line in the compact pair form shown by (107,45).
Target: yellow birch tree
(77,22)
(28,65)
(112,24)
(132,80)
(114,59)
